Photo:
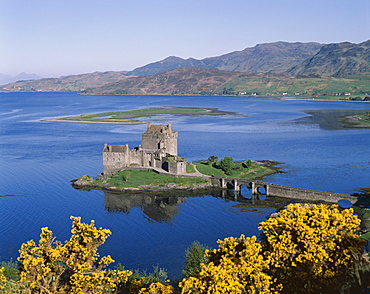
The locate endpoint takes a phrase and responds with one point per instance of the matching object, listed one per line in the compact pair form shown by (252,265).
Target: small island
(152,180)
(155,166)
(360,120)
(131,116)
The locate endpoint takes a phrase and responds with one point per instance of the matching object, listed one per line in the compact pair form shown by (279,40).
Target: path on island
(196,174)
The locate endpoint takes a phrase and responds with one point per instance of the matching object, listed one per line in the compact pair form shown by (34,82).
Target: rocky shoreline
(354,121)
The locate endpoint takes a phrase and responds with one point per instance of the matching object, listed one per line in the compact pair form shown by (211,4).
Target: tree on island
(212,160)
(227,165)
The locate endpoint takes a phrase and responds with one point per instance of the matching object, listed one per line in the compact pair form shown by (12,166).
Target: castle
(158,150)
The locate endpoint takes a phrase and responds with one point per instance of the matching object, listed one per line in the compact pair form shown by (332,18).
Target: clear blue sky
(62,37)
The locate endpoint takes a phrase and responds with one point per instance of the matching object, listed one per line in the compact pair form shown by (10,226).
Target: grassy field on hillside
(293,86)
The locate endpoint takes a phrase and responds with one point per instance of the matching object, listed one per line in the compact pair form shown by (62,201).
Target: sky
(53,38)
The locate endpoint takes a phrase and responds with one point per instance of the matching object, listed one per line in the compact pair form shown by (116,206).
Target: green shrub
(10,270)
(141,279)
(194,257)
(212,159)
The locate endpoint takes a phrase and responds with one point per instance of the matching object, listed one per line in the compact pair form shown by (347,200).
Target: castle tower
(160,137)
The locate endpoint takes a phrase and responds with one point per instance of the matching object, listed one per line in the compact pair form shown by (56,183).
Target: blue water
(39,159)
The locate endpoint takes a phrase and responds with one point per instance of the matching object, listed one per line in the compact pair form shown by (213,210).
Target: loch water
(38,160)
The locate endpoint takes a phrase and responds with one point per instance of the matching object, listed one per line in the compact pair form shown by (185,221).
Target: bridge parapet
(312,195)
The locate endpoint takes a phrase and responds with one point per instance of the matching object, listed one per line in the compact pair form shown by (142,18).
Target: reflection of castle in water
(163,207)
(160,208)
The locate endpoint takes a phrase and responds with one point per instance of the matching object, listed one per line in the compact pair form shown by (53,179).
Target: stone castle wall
(177,167)
(115,157)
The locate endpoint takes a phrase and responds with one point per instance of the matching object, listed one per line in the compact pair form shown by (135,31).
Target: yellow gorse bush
(157,288)
(312,243)
(306,248)
(73,267)
(237,266)
(2,279)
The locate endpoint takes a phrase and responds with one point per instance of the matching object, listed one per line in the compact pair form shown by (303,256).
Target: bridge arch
(230,185)
(245,191)
(260,188)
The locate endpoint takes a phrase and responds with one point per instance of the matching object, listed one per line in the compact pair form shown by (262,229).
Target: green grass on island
(363,118)
(190,168)
(358,120)
(140,178)
(130,116)
(240,169)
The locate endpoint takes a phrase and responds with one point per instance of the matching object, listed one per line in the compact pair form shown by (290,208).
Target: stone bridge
(275,190)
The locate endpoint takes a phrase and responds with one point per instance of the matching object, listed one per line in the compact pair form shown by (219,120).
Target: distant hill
(68,83)
(269,57)
(6,79)
(202,81)
(336,60)
(184,80)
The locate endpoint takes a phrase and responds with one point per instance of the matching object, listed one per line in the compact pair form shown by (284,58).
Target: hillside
(269,57)
(201,81)
(283,85)
(336,60)
(69,83)
(185,80)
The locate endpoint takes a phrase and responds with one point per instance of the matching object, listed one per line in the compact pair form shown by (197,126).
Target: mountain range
(274,57)
(269,62)
(6,79)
